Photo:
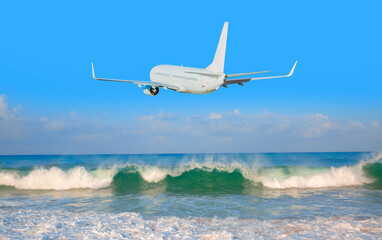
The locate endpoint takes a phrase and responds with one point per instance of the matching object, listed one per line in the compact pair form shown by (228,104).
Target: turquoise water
(278,195)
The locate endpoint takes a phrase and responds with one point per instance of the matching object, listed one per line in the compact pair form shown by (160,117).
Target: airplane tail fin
(217,64)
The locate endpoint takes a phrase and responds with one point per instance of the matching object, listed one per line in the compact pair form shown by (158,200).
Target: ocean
(192,196)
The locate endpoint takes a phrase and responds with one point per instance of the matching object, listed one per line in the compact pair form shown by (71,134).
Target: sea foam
(333,177)
(58,179)
(58,224)
(278,177)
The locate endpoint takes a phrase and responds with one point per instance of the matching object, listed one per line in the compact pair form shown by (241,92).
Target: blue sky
(50,104)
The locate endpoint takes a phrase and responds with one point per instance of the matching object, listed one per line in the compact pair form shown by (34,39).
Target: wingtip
(291,71)
(93,71)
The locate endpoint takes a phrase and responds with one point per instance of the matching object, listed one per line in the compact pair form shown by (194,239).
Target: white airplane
(194,80)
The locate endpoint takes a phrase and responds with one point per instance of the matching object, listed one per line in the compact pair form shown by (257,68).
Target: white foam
(335,177)
(152,174)
(297,177)
(58,179)
(60,224)
(156,174)
(271,177)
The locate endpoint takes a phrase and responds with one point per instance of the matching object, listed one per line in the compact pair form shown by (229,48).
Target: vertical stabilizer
(217,64)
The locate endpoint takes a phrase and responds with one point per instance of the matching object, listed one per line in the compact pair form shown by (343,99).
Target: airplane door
(202,83)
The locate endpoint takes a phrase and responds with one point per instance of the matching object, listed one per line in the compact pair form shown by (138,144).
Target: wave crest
(334,177)
(58,179)
(194,177)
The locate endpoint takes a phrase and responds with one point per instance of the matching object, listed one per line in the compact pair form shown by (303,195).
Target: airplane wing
(211,74)
(139,83)
(243,80)
(244,74)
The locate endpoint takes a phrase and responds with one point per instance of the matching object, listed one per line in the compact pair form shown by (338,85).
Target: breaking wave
(58,179)
(199,178)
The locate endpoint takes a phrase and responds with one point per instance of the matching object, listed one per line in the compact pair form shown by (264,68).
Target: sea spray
(209,176)
(332,177)
(57,179)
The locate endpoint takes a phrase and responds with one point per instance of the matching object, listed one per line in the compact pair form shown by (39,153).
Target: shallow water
(288,195)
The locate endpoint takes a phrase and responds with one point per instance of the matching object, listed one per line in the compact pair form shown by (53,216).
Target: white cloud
(56,125)
(73,114)
(319,115)
(43,119)
(376,124)
(236,111)
(214,116)
(4,113)
(170,133)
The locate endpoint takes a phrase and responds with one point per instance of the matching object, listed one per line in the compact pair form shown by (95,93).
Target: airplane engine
(151,91)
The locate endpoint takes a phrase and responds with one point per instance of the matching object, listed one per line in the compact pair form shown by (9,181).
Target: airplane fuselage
(187,79)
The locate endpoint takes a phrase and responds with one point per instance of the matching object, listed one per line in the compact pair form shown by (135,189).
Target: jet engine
(151,91)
